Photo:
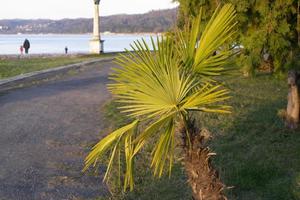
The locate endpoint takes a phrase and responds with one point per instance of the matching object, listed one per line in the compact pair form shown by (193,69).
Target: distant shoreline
(151,22)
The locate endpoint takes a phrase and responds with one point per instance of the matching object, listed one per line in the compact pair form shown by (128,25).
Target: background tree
(161,90)
(267,31)
(269,35)
(190,8)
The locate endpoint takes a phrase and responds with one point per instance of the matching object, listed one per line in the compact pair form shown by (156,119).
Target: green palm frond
(164,150)
(151,130)
(202,46)
(163,91)
(162,86)
(220,28)
(129,156)
(141,81)
(113,141)
(205,99)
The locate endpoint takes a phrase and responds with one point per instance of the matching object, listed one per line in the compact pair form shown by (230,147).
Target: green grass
(15,66)
(255,153)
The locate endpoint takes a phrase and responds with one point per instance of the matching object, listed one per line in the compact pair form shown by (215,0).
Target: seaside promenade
(46,131)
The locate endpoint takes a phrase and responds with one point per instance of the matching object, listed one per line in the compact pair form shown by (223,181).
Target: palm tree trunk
(202,177)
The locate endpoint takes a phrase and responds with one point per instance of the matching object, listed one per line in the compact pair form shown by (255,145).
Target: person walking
(66,50)
(26,45)
(21,49)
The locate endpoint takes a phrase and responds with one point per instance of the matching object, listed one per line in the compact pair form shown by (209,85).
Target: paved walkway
(44,131)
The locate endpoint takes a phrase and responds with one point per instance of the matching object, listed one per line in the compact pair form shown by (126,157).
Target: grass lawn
(15,66)
(256,155)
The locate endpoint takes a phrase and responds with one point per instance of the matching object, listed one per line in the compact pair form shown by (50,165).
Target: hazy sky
(58,9)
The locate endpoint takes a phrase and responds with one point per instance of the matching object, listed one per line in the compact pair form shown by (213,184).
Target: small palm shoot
(160,88)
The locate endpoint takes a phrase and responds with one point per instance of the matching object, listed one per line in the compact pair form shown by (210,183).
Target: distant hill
(154,21)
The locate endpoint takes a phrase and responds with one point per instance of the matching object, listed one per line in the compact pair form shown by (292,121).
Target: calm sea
(44,44)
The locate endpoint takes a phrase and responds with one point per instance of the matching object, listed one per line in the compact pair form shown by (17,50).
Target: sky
(59,9)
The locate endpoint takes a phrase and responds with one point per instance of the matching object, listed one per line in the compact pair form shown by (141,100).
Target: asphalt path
(44,133)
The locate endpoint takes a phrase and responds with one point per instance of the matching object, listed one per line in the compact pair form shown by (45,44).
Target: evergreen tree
(269,31)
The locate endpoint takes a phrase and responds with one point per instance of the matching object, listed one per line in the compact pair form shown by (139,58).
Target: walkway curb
(21,80)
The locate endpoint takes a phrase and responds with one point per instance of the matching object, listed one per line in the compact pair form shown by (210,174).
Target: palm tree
(160,90)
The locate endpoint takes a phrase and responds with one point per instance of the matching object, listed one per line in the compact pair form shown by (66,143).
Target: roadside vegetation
(256,156)
(13,66)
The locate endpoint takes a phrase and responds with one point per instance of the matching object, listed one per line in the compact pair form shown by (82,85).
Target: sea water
(55,44)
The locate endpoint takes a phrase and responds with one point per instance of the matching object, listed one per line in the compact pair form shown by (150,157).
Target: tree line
(154,21)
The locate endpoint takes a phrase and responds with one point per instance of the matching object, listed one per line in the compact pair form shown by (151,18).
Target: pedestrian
(66,50)
(26,45)
(21,49)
